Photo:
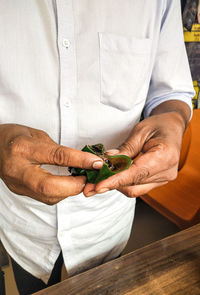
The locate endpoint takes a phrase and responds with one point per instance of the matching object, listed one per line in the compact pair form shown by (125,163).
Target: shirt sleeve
(171,77)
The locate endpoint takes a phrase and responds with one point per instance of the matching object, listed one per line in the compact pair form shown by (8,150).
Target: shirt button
(67,103)
(66,43)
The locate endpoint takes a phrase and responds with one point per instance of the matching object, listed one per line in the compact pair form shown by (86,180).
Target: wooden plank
(169,266)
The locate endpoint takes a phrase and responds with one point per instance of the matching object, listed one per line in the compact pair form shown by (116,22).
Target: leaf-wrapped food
(112,164)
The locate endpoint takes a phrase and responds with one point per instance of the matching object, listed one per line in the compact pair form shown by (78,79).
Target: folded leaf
(112,164)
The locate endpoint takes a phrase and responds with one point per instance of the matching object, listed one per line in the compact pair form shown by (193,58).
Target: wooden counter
(169,266)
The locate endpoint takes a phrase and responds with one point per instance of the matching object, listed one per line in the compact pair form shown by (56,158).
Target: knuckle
(119,180)
(42,133)
(141,176)
(140,128)
(167,153)
(50,201)
(7,169)
(18,146)
(4,170)
(161,148)
(44,188)
(175,159)
(172,175)
(123,179)
(131,193)
(78,187)
(128,147)
(59,156)
(172,156)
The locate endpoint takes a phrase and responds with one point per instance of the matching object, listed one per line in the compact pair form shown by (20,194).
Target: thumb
(133,146)
(113,152)
(63,156)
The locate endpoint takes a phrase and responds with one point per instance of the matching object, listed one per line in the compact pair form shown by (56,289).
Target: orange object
(179,200)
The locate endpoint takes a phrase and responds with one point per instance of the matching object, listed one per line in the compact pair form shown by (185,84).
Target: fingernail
(90,194)
(97,165)
(102,190)
(112,152)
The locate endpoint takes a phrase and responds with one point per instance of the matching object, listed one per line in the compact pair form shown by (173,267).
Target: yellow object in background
(196,88)
(194,35)
(195,99)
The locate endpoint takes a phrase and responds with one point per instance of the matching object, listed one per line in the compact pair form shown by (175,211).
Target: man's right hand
(24,149)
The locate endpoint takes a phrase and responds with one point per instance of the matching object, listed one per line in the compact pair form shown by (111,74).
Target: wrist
(181,111)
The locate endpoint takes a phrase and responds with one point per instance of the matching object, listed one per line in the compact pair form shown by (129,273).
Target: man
(75,73)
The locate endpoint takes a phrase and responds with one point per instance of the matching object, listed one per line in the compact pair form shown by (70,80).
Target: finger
(89,190)
(163,177)
(112,152)
(25,191)
(139,190)
(158,162)
(46,151)
(12,131)
(64,156)
(166,175)
(134,144)
(114,182)
(47,187)
(134,175)
(145,167)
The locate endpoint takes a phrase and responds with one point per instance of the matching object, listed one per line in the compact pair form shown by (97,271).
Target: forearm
(181,109)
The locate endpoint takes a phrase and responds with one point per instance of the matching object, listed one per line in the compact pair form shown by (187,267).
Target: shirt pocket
(124,66)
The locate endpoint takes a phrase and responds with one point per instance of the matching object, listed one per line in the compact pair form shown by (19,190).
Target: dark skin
(159,137)
(24,149)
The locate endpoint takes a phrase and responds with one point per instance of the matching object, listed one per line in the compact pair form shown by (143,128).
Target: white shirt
(83,70)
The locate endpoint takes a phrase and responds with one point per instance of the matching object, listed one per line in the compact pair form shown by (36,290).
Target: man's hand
(157,140)
(24,149)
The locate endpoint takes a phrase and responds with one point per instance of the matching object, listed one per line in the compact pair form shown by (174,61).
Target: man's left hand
(154,146)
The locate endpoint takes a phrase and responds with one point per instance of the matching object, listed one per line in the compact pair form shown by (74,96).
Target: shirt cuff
(152,104)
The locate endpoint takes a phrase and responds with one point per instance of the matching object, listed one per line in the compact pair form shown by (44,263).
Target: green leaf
(112,164)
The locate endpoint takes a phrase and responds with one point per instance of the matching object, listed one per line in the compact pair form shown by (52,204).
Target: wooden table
(169,266)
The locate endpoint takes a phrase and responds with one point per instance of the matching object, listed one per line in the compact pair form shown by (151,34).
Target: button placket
(68,124)
(68,83)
